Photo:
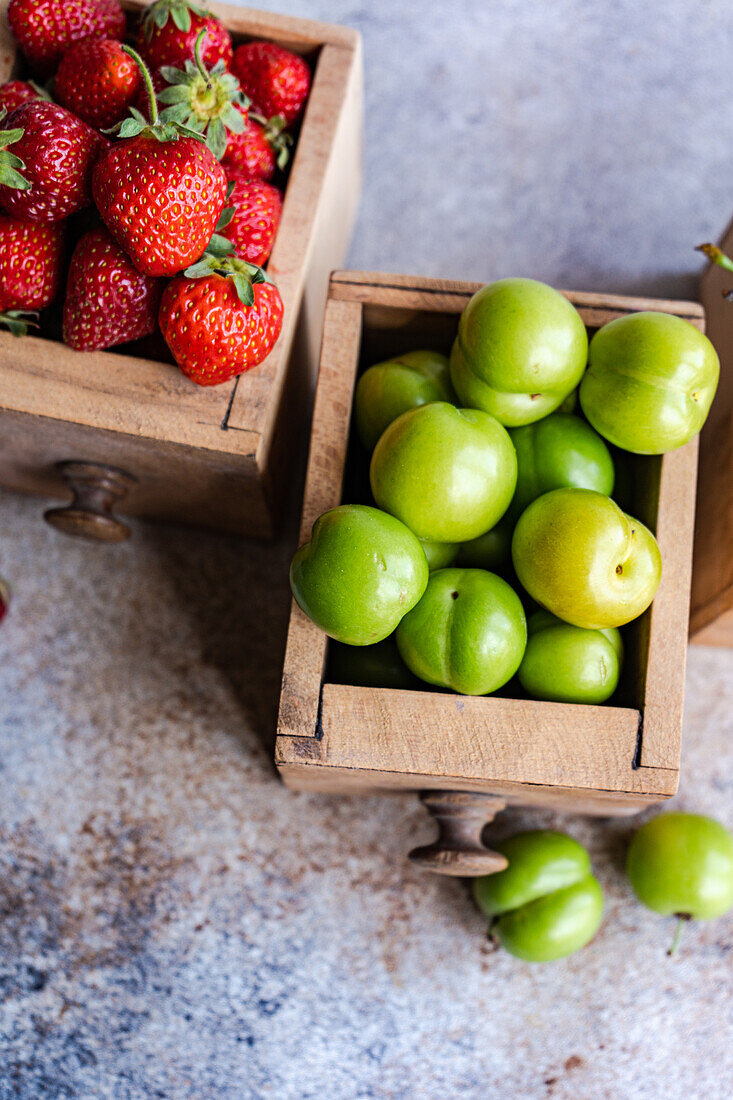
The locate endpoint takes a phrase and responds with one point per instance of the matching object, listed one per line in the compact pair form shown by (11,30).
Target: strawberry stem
(153,103)
(198,59)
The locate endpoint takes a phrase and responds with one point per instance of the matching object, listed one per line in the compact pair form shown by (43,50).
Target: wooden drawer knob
(97,489)
(459,850)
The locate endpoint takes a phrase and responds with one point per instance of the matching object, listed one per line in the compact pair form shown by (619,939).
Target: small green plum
(580,557)
(547,903)
(521,350)
(377,666)
(650,382)
(560,452)
(360,573)
(682,864)
(567,664)
(492,551)
(439,554)
(448,473)
(468,632)
(388,389)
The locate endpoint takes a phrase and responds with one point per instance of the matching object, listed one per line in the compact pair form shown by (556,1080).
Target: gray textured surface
(172,922)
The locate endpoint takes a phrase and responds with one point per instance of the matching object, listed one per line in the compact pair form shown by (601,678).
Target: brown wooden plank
(712,581)
(306,645)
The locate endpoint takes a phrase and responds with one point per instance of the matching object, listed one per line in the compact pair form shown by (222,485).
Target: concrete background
(172,922)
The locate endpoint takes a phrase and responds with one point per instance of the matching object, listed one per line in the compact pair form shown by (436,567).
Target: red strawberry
(107,300)
(276,80)
(209,102)
(220,318)
(169,30)
(98,81)
(46,28)
(160,193)
(4,598)
(16,92)
(30,267)
(257,207)
(255,152)
(47,174)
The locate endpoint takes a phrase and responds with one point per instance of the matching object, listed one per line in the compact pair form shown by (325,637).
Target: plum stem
(682,919)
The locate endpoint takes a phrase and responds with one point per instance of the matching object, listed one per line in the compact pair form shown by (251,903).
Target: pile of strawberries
(175,143)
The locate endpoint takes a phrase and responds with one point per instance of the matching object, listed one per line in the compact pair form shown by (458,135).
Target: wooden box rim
(341,737)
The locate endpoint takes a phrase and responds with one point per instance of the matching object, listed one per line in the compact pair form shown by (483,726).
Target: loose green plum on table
(547,903)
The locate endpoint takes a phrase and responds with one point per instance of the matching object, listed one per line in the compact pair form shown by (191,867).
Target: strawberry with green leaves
(107,301)
(160,191)
(47,156)
(169,30)
(262,146)
(253,210)
(45,29)
(16,92)
(30,269)
(276,80)
(98,81)
(220,318)
(207,101)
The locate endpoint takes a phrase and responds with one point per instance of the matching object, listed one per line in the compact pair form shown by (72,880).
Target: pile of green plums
(547,903)
(494,498)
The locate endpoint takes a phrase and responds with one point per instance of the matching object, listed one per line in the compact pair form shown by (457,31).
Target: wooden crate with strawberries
(475,754)
(95,402)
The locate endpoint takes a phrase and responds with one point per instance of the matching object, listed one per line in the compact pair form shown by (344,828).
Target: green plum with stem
(561,451)
(520,351)
(650,382)
(448,473)
(386,390)
(360,573)
(547,903)
(681,864)
(568,664)
(468,632)
(580,557)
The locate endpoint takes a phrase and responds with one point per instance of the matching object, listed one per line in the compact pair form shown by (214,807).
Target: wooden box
(217,457)
(711,619)
(596,759)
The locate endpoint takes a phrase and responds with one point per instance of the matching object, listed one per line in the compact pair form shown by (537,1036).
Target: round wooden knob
(97,489)
(459,850)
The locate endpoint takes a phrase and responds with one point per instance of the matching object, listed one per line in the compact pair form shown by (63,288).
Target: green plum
(360,573)
(378,666)
(682,864)
(439,554)
(567,664)
(388,389)
(650,382)
(448,473)
(492,551)
(580,557)
(562,451)
(547,903)
(468,632)
(521,350)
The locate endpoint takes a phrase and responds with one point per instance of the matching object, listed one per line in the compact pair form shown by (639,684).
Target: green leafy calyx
(179,11)
(9,163)
(18,321)
(209,102)
(158,128)
(219,259)
(276,135)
